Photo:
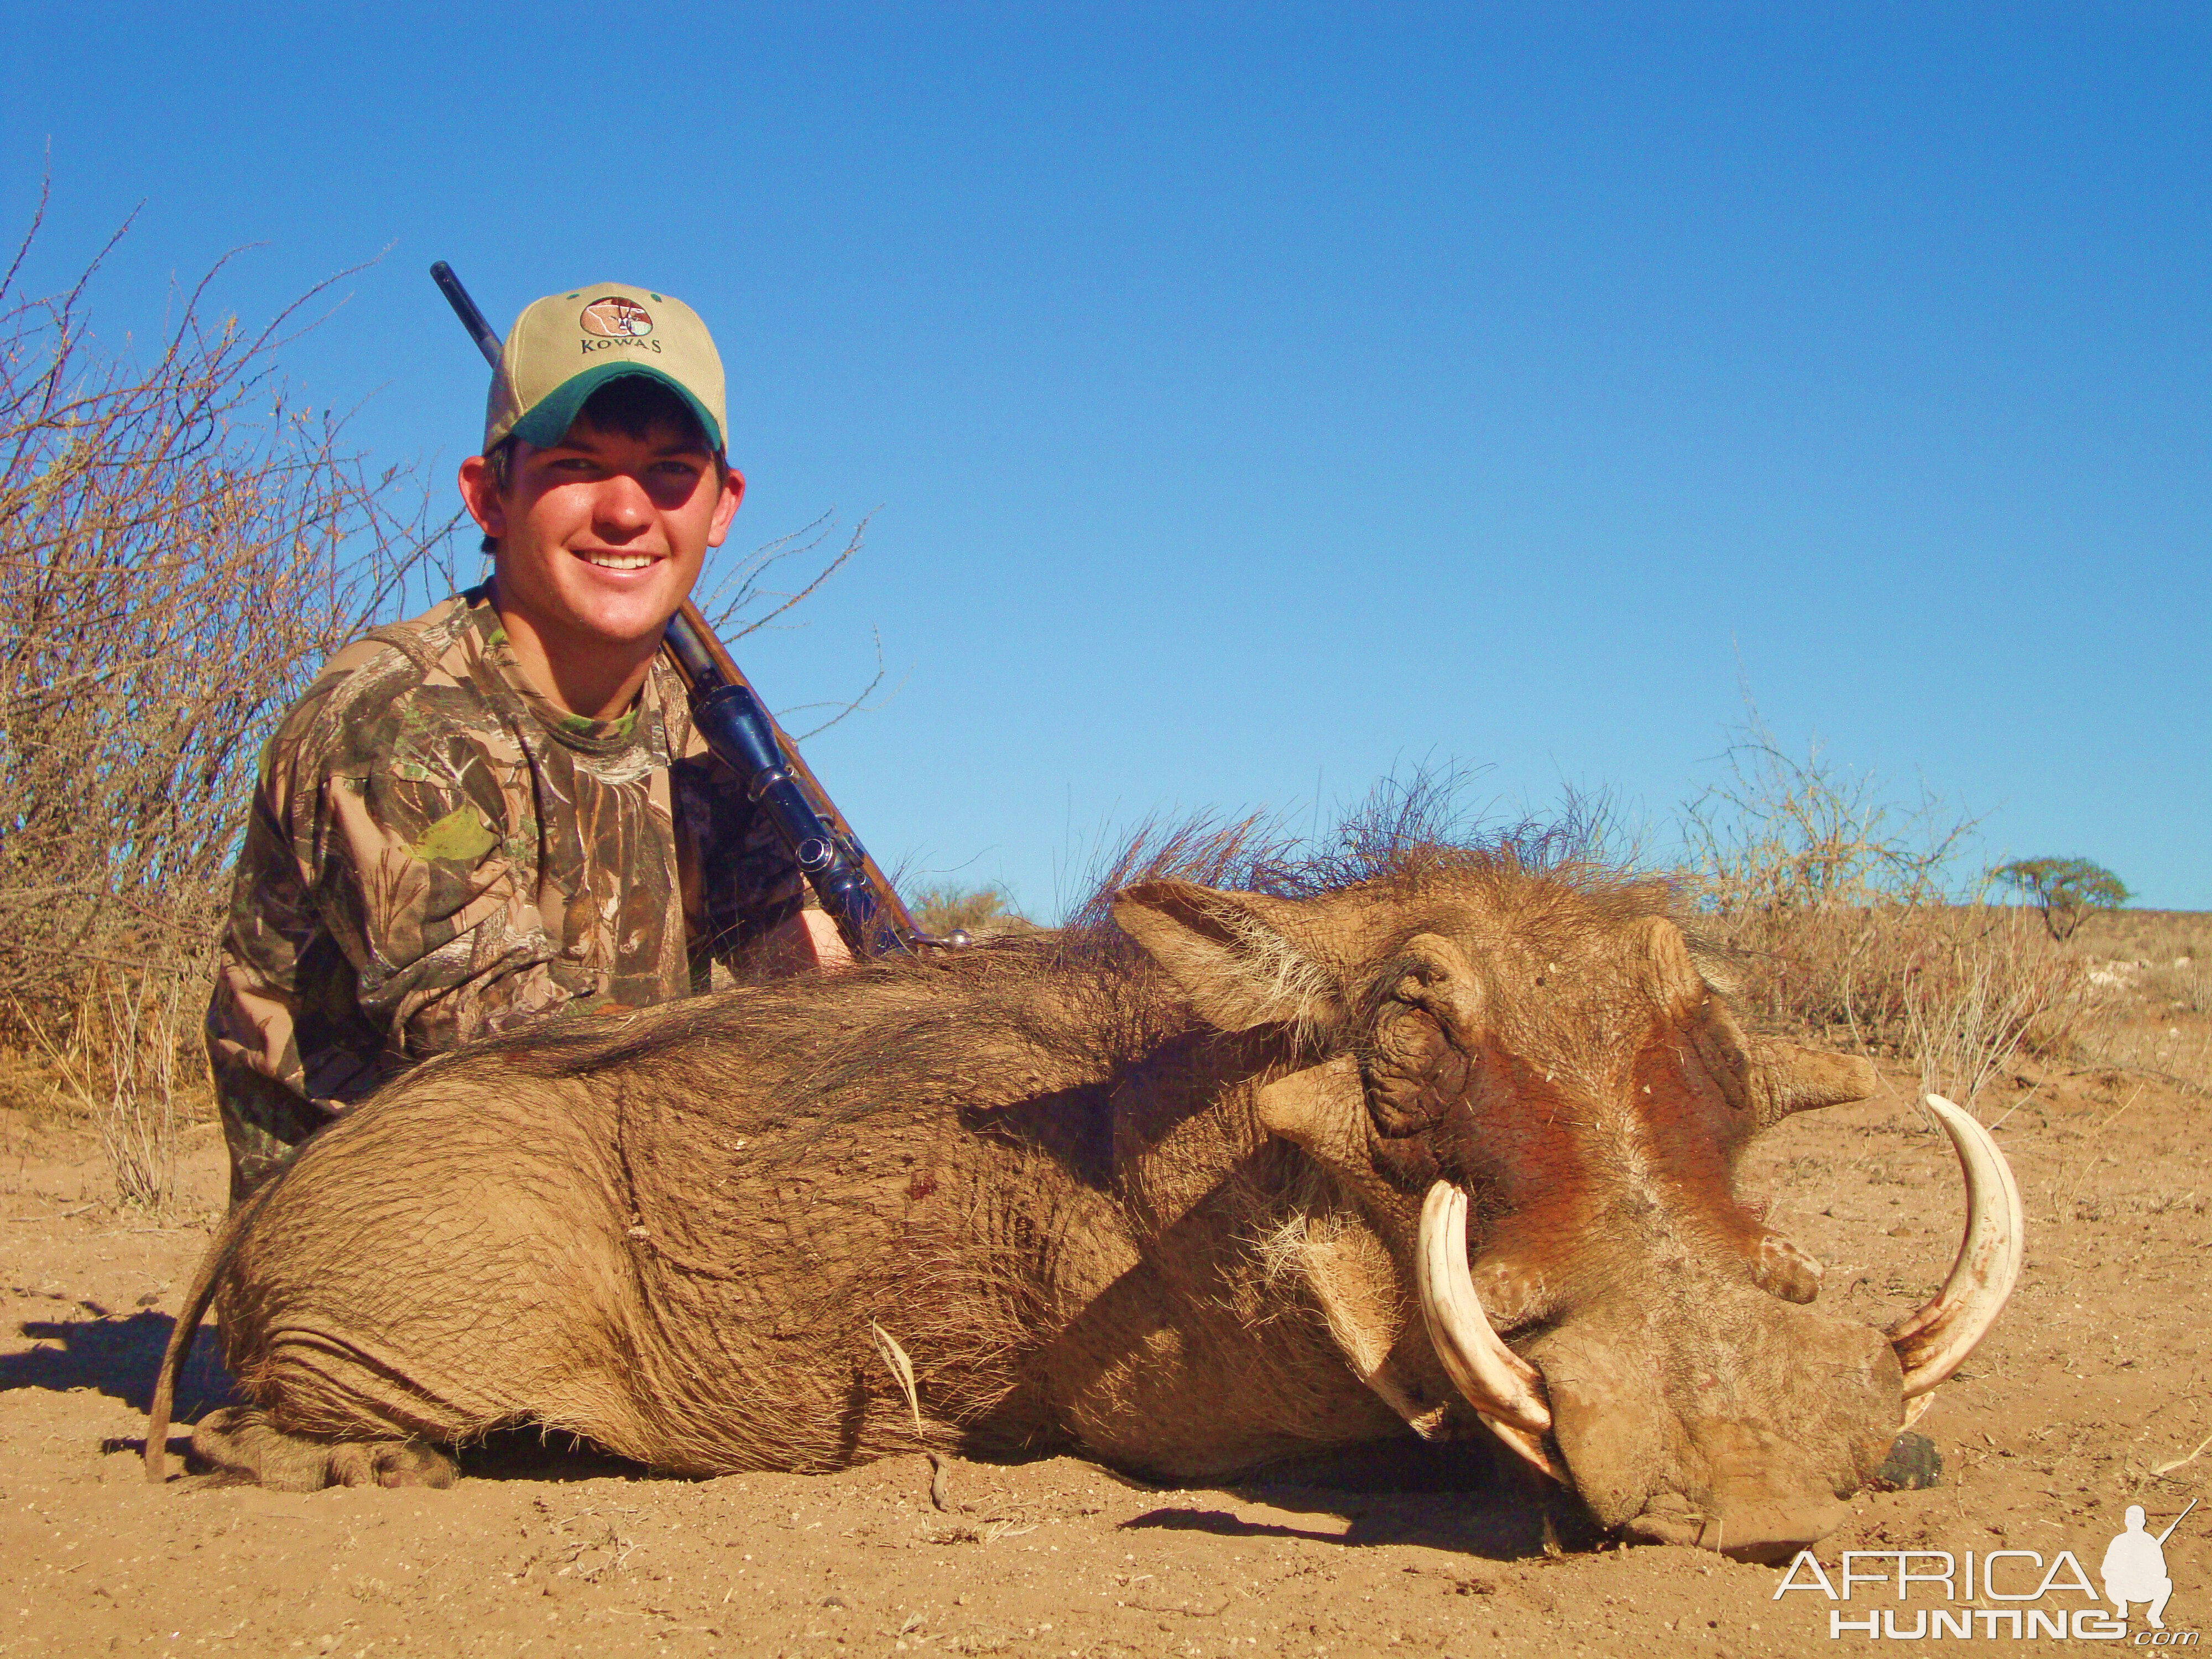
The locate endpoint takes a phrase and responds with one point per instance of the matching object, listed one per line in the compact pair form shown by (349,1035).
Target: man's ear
(1228,954)
(480,494)
(733,491)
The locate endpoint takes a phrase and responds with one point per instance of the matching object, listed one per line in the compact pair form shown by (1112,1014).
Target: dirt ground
(2092,1393)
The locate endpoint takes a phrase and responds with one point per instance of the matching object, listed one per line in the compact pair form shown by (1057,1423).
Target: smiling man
(499,812)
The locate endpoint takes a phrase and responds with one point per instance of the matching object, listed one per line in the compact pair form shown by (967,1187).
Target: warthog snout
(1719,1418)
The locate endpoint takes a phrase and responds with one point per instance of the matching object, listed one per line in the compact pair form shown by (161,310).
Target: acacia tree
(2064,890)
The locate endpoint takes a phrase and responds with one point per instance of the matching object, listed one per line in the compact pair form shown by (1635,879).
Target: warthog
(1449,1142)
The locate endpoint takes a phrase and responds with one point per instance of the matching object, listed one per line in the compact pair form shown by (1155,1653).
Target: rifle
(740,733)
(2176,1522)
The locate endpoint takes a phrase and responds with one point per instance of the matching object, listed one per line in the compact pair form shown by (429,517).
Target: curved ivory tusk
(1936,1342)
(1502,1387)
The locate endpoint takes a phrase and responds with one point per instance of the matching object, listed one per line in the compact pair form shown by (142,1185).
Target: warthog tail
(188,1324)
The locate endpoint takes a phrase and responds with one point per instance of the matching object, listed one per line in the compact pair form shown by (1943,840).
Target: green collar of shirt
(576,731)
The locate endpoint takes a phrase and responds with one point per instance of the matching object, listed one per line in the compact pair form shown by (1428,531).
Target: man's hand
(824,942)
(808,941)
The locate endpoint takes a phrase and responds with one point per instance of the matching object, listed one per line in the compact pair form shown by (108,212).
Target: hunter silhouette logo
(2134,1567)
(617,318)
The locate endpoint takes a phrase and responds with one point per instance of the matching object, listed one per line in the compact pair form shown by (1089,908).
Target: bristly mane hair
(1407,831)
(1109,1004)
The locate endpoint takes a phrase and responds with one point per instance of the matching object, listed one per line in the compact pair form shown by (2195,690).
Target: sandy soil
(2095,1380)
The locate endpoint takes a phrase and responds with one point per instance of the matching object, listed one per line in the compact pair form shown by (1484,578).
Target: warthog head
(1538,1099)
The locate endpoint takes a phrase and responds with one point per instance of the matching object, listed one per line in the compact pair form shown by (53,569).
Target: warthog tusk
(1503,1388)
(1936,1342)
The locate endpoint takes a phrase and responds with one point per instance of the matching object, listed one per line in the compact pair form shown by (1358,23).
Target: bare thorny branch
(180,550)
(734,605)
(174,564)
(1781,833)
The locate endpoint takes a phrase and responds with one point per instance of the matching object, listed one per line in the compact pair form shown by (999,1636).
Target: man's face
(601,536)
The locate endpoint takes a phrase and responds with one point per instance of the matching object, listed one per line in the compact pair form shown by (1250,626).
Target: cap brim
(548,422)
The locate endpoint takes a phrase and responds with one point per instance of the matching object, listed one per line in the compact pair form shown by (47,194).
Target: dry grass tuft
(116,1063)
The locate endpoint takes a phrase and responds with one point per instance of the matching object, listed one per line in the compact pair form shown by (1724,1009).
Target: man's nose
(620,506)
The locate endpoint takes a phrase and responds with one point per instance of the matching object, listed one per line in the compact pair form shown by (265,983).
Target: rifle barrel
(465,309)
(2176,1522)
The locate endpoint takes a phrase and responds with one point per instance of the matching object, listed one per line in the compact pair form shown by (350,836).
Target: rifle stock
(740,731)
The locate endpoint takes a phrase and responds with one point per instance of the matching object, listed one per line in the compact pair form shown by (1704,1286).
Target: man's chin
(625,617)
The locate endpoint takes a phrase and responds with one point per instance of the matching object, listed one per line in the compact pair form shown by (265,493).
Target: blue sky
(1256,400)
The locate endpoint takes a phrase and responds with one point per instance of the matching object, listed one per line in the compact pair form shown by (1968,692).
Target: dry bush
(1958,988)
(1780,836)
(2155,938)
(1836,904)
(1990,985)
(116,1057)
(2182,988)
(944,906)
(180,550)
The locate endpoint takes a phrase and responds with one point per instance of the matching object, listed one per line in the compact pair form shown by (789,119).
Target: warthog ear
(1228,954)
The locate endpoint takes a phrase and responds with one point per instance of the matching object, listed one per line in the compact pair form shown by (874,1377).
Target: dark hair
(630,407)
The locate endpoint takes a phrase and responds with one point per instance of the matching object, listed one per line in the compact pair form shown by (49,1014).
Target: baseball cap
(566,346)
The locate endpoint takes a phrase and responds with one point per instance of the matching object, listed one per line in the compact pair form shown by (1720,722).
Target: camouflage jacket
(437,852)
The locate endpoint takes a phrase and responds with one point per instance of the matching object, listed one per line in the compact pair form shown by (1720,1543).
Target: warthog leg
(241,1447)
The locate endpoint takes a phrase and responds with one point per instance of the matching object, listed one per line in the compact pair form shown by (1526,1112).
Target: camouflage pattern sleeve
(378,916)
(416,885)
(437,853)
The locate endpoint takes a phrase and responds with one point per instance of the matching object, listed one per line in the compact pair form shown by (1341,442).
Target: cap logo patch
(617,318)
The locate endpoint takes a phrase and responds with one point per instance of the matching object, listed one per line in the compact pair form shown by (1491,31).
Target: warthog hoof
(238,1447)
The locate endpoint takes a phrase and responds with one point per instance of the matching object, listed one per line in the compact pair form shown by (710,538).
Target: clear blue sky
(1255,395)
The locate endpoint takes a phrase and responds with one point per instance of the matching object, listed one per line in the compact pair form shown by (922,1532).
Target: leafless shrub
(744,599)
(181,547)
(1838,903)
(1780,836)
(1988,985)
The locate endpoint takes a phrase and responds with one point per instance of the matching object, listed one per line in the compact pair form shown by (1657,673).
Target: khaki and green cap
(566,346)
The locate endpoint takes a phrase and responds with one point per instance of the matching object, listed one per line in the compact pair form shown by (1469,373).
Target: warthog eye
(1416,1072)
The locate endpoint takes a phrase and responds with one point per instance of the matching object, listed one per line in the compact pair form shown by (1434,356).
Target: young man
(499,811)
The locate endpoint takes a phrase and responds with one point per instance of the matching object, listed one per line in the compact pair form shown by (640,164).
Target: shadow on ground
(529,1453)
(1465,1496)
(117,1355)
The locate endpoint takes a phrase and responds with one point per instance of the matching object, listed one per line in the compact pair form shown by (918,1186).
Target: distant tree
(2064,890)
